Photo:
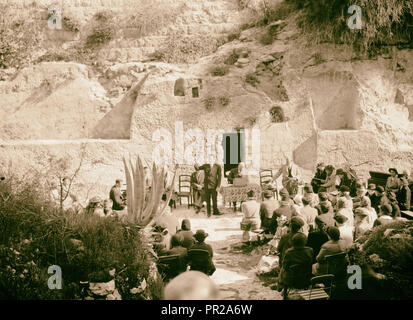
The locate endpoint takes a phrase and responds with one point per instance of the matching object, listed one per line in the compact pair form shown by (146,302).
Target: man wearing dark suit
(212,182)
(116,196)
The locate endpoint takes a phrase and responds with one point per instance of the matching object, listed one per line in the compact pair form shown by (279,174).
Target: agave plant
(143,203)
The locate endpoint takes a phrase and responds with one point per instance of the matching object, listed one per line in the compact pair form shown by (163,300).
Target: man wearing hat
(268,206)
(206,266)
(296,223)
(115,195)
(393,182)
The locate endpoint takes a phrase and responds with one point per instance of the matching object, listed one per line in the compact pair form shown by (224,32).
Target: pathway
(235,274)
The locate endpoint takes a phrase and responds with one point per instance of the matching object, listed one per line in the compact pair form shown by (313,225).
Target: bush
(277,114)
(390,255)
(69,24)
(224,101)
(209,103)
(234,36)
(383,22)
(19,37)
(102,32)
(150,16)
(232,58)
(219,70)
(36,235)
(252,79)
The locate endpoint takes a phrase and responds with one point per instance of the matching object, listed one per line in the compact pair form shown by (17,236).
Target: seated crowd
(313,226)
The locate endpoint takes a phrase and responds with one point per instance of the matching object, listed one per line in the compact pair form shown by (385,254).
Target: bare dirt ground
(235,274)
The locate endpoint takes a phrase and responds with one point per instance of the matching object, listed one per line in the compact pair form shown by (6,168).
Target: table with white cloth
(237,194)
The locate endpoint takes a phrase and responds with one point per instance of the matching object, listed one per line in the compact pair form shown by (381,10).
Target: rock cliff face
(337,109)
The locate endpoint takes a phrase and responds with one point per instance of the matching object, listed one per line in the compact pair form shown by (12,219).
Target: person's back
(297,263)
(331,247)
(308,214)
(201,263)
(286,209)
(301,260)
(251,211)
(316,239)
(268,206)
(285,243)
(186,233)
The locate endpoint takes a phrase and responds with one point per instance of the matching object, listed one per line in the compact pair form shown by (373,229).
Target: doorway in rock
(233,145)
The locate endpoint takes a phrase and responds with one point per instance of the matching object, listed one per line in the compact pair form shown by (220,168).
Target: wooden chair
(319,293)
(337,265)
(199,260)
(171,266)
(265,178)
(184,189)
(297,276)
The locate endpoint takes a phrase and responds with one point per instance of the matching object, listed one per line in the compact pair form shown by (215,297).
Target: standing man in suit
(212,182)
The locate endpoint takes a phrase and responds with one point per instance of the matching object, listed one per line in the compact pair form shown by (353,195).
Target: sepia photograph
(224,151)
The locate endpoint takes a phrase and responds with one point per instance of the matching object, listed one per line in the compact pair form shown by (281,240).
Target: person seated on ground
(318,237)
(186,233)
(332,180)
(206,267)
(343,209)
(319,177)
(168,219)
(404,196)
(393,182)
(346,231)
(298,203)
(197,184)
(308,214)
(295,224)
(384,216)
(191,285)
(333,246)
(251,219)
(107,207)
(308,192)
(391,196)
(266,210)
(116,196)
(177,248)
(361,192)
(344,192)
(297,264)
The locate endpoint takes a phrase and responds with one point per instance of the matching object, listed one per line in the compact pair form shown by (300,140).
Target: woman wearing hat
(393,182)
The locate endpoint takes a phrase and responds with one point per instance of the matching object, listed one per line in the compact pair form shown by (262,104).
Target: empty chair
(185,190)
